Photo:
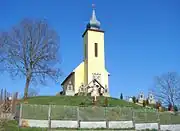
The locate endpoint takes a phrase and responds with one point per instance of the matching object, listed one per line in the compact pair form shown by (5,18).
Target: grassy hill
(68,112)
(79,101)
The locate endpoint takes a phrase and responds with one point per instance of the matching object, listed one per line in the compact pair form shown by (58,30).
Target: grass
(13,126)
(65,107)
(169,118)
(79,101)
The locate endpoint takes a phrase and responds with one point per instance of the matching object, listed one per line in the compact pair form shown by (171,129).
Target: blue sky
(142,38)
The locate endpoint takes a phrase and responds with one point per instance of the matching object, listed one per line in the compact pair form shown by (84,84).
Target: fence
(7,104)
(56,112)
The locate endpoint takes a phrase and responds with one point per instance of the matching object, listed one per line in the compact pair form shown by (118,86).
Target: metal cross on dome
(93,6)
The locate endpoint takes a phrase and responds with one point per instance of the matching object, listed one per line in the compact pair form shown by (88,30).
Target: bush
(134,99)
(121,97)
(106,102)
(175,108)
(144,103)
(147,102)
(82,104)
(137,100)
(158,104)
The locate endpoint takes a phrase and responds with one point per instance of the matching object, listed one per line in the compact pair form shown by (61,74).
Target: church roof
(98,83)
(81,64)
(67,78)
(94,80)
(92,30)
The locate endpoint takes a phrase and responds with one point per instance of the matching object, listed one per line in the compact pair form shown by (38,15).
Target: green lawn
(79,100)
(13,126)
(65,108)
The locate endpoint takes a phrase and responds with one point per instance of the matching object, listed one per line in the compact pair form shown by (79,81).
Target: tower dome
(93,23)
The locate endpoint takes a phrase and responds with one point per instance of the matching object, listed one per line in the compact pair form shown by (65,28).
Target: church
(90,77)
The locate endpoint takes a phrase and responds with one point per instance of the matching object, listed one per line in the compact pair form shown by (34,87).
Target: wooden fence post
(107,121)
(49,118)
(20,115)
(145,115)
(158,119)
(133,117)
(77,109)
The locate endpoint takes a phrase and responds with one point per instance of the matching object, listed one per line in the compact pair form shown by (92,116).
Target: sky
(142,38)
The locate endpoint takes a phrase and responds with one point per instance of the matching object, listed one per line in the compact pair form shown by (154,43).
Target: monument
(151,98)
(141,98)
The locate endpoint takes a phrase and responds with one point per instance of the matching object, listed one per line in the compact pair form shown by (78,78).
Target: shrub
(147,102)
(106,102)
(121,97)
(144,103)
(134,99)
(158,104)
(175,108)
(137,100)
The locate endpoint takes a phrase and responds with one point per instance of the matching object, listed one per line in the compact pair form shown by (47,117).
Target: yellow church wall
(85,41)
(95,64)
(96,37)
(79,76)
(85,72)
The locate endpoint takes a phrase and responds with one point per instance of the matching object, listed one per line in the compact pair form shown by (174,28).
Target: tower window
(96,49)
(85,51)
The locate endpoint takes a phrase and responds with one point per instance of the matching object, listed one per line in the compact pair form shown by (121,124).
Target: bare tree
(30,49)
(1,47)
(167,88)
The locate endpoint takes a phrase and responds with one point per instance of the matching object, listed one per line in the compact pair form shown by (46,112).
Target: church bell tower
(90,76)
(94,53)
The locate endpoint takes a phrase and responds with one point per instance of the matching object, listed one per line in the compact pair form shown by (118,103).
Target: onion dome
(93,23)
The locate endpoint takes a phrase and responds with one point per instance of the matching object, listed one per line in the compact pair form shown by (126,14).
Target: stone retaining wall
(64,124)
(120,124)
(170,127)
(143,126)
(33,123)
(95,124)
